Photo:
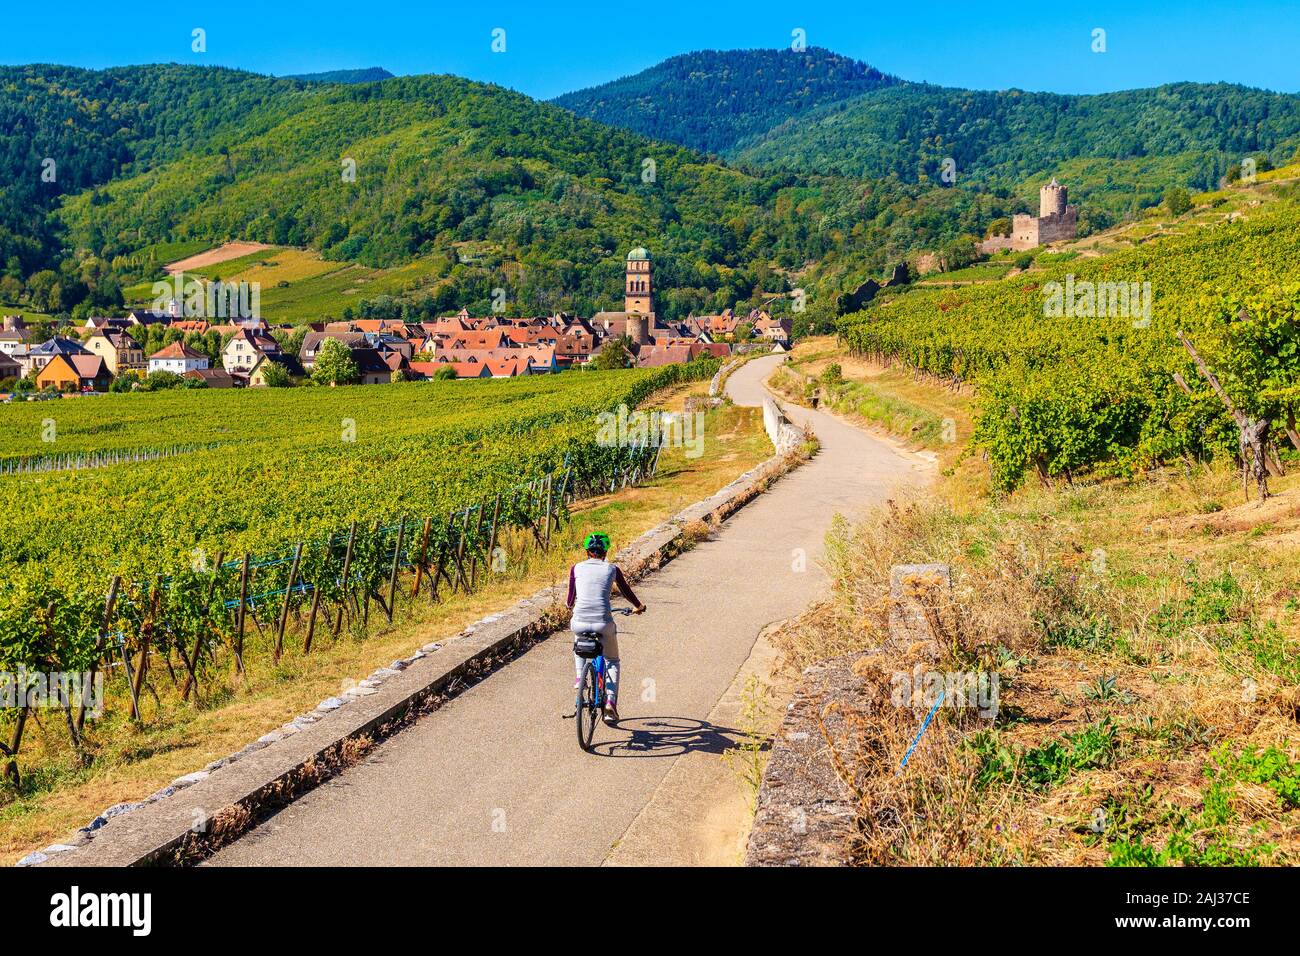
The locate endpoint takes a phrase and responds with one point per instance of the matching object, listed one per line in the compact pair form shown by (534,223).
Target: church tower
(636,293)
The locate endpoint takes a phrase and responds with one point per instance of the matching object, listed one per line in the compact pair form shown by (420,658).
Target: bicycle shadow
(667,737)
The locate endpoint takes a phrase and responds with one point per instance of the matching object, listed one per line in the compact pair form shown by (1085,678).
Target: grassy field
(1146,637)
(298,286)
(886,399)
(130,761)
(27,314)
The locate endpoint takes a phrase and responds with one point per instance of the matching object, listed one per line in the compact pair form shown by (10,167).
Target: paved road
(495,777)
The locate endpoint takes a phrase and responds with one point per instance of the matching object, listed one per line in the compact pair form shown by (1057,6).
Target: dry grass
(1145,638)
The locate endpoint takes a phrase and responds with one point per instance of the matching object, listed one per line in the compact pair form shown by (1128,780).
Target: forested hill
(368,75)
(484,186)
(819,111)
(1011,134)
(716,101)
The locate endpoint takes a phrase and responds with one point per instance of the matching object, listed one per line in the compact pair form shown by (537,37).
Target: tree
(616,353)
(445,374)
(291,340)
(958,254)
(11,290)
(161,380)
(998,227)
(41,289)
(335,365)
(1177,201)
(277,376)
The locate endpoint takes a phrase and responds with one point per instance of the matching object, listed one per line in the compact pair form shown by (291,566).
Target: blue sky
(554,48)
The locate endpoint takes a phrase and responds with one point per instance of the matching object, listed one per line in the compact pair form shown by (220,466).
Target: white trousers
(609,642)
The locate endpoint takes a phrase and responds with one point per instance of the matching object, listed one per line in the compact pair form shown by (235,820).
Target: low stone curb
(805,813)
(198,813)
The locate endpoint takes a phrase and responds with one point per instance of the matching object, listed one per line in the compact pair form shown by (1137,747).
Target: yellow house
(119,350)
(75,373)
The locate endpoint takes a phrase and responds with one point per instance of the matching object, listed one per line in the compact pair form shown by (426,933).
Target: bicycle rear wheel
(588,708)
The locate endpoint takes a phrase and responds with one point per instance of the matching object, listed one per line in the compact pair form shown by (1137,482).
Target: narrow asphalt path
(496,777)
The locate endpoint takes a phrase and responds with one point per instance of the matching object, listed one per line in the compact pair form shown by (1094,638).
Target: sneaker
(611,713)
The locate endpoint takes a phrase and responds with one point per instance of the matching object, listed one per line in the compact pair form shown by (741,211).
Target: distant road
(496,777)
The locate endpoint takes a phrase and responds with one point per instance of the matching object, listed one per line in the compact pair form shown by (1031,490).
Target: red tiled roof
(177,350)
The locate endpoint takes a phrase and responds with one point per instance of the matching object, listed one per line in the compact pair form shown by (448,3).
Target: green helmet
(597,541)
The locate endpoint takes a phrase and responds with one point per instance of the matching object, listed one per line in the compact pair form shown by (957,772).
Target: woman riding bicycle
(590,583)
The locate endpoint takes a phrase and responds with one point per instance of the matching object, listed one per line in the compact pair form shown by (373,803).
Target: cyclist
(590,583)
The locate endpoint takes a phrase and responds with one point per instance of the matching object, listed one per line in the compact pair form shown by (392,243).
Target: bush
(1177,201)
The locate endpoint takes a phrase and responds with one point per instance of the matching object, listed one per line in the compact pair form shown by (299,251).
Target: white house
(245,350)
(179,358)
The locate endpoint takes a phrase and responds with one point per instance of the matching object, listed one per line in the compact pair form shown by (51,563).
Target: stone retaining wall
(805,813)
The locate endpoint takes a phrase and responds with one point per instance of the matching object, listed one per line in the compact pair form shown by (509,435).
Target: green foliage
(1213,837)
(473,187)
(1043,767)
(420,448)
(1251,339)
(1061,395)
(717,101)
(614,354)
(276,375)
(334,365)
(1109,147)
(1177,200)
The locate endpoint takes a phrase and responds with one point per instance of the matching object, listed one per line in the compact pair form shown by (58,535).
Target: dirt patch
(223,253)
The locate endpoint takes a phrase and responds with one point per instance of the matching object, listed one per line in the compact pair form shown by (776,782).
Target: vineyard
(1106,390)
(289,513)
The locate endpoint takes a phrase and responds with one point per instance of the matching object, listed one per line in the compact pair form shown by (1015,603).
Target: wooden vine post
(192,662)
(243,610)
(343,583)
(146,641)
(397,563)
(109,604)
(315,597)
(288,598)
(473,558)
(458,553)
(424,557)
(492,535)
(550,503)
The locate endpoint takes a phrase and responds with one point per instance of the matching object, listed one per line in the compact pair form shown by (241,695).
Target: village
(109,353)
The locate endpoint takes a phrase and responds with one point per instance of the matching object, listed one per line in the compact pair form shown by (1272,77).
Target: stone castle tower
(1056,221)
(637,290)
(1052,200)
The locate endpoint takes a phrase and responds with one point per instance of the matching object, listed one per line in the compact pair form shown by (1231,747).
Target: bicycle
(590,699)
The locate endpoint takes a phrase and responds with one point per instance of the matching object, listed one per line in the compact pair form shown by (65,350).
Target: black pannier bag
(587,646)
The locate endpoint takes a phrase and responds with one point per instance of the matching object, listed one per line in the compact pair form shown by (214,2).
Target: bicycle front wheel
(588,707)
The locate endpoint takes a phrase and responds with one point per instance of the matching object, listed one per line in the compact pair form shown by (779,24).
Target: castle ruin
(1056,221)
